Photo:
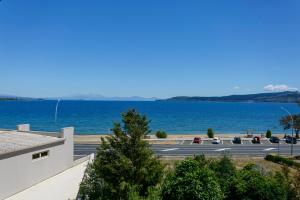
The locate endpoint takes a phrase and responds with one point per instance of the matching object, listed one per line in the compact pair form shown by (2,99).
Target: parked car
(197,140)
(256,140)
(237,140)
(274,139)
(290,140)
(216,140)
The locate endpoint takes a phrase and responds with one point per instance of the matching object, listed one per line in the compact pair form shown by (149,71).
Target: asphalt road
(189,149)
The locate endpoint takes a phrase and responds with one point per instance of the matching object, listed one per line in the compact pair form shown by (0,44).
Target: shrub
(161,134)
(268,134)
(282,161)
(250,184)
(210,133)
(191,181)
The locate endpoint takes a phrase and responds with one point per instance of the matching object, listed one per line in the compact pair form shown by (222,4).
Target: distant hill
(16,98)
(96,97)
(282,97)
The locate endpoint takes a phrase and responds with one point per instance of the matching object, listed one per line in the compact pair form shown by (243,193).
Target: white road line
(222,149)
(173,149)
(269,149)
(242,142)
(231,141)
(222,141)
(181,143)
(202,142)
(191,143)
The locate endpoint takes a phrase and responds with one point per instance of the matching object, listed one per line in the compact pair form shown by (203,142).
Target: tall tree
(287,122)
(124,162)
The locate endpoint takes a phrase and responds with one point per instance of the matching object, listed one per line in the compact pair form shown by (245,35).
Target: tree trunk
(297,133)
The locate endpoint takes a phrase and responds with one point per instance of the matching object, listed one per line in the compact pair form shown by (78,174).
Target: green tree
(161,134)
(268,134)
(225,171)
(123,163)
(250,183)
(286,122)
(210,133)
(192,181)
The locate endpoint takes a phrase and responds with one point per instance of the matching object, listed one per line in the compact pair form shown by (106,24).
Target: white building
(27,158)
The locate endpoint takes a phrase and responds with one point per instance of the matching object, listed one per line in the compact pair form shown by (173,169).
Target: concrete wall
(21,172)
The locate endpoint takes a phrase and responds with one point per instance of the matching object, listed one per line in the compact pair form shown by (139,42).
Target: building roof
(12,142)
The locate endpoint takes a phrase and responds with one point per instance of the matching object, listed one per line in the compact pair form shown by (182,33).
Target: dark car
(290,140)
(197,140)
(237,140)
(274,139)
(256,140)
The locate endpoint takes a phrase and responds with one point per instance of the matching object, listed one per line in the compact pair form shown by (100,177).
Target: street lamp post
(291,116)
(56,108)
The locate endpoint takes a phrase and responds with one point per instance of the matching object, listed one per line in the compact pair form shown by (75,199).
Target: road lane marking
(191,142)
(222,149)
(181,143)
(202,142)
(269,149)
(173,149)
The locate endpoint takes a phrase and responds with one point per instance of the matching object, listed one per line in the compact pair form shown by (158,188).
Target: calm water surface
(97,117)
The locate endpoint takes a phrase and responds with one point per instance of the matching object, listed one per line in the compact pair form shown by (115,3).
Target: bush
(282,161)
(161,134)
(268,134)
(250,184)
(210,133)
(191,181)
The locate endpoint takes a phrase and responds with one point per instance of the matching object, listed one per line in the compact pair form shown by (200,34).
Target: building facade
(27,158)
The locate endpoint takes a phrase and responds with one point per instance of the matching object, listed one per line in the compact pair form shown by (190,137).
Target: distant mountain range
(282,97)
(95,97)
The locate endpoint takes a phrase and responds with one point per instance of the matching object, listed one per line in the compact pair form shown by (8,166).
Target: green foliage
(161,134)
(210,133)
(268,134)
(286,123)
(249,184)
(191,181)
(282,160)
(225,171)
(124,164)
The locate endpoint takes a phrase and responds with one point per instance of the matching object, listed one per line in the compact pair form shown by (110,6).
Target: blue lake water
(97,117)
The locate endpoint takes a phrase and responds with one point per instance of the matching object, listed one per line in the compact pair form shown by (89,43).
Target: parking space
(246,141)
(227,142)
(185,142)
(207,142)
(265,142)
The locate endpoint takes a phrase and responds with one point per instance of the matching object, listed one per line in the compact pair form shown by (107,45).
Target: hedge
(282,161)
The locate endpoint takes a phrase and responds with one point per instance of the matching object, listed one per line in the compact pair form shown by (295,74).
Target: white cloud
(236,87)
(279,88)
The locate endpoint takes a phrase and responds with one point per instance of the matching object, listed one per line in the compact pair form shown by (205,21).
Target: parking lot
(230,142)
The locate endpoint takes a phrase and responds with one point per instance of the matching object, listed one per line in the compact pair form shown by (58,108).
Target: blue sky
(151,48)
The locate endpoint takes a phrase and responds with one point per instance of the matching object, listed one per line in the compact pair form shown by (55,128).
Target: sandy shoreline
(95,139)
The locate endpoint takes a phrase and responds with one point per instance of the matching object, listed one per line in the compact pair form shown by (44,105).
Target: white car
(216,140)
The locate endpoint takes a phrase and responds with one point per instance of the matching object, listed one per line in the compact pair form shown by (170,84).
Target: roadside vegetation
(210,133)
(125,168)
(268,134)
(161,134)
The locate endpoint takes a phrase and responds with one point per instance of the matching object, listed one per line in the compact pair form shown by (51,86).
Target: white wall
(21,172)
